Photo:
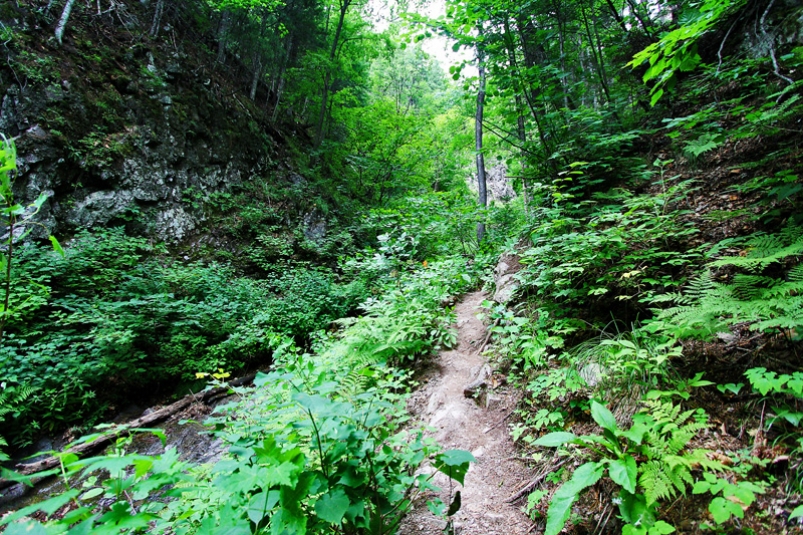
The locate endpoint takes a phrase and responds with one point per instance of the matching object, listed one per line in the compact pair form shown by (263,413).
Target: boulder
(505,278)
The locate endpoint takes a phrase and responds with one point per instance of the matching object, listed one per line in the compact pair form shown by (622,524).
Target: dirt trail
(463,423)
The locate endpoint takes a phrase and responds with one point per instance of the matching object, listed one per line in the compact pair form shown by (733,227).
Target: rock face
(505,278)
(499,187)
(116,133)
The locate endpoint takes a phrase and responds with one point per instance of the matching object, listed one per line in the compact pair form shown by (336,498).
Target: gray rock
(36,132)
(164,146)
(314,226)
(173,224)
(499,187)
(505,278)
(479,382)
(99,208)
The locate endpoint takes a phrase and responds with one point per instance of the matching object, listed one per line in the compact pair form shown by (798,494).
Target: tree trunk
(157,18)
(280,85)
(616,15)
(327,78)
(521,129)
(531,95)
(564,84)
(481,181)
(255,79)
(603,73)
(634,9)
(223,29)
(65,16)
(596,61)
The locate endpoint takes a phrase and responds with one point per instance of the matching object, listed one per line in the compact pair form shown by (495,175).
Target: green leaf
(40,201)
(566,495)
(797,512)
(662,528)
(636,433)
(455,506)
(722,509)
(436,507)
(603,416)
(56,245)
(92,493)
(315,403)
(284,474)
(261,504)
(454,463)
(456,457)
(656,97)
(630,529)
(332,506)
(624,472)
(142,466)
(25,528)
(553,440)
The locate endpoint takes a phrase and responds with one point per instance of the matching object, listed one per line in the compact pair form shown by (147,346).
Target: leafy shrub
(113,311)
(651,461)
(620,248)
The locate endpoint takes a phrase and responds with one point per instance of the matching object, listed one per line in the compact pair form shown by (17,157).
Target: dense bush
(114,314)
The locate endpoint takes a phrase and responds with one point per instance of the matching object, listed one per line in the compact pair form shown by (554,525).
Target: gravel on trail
(476,425)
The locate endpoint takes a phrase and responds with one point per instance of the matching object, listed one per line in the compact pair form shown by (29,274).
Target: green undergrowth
(611,292)
(322,444)
(116,313)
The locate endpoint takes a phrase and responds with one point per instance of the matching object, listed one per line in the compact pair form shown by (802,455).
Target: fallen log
(27,469)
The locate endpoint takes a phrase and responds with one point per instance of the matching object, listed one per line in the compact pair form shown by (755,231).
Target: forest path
(458,422)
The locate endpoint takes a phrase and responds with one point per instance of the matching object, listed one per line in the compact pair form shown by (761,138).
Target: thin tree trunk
(561,41)
(157,18)
(481,180)
(531,95)
(257,58)
(603,73)
(595,60)
(65,16)
(634,9)
(521,130)
(255,78)
(223,29)
(327,79)
(280,86)
(616,15)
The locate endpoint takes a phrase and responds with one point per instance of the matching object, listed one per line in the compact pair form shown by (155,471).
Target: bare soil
(476,425)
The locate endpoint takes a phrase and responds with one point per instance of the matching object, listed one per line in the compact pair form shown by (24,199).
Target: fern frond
(796,274)
(764,249)
(678,471)
(749,287)
(700,286)
(667,472)
(654,481)
(700,457)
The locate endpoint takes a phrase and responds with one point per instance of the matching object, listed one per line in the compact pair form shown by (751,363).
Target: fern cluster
(768,303)
(11,397)
(667,470)
(762,250)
